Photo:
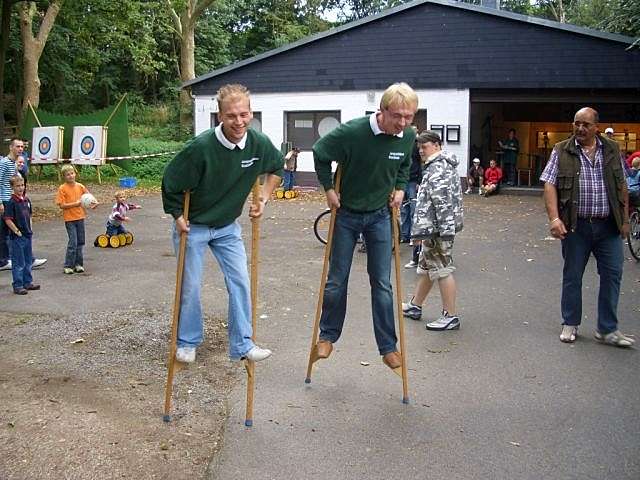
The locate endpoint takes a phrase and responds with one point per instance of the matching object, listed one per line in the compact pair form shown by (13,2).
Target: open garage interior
(543,119)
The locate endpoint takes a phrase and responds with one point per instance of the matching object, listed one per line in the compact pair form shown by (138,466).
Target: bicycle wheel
(321,226)
(634,235)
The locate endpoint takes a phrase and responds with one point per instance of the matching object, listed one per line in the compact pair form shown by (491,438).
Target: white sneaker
(38,262)
(6,266)
(616,338)
(467,191)
(445,322)
(186,354)
(257,354)
(411,264)
(569,333)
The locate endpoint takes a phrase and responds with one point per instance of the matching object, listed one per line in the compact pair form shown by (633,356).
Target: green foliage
(349,10)
(151,168)
(624,18)
(616,16)
(100,49)
(261,25)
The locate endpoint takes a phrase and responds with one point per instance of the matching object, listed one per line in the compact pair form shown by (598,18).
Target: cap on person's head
(608,130)
(476,160)
(429,136)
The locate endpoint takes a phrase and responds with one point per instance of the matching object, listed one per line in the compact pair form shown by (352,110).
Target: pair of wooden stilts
(250,366)
(313,352)
(173,364)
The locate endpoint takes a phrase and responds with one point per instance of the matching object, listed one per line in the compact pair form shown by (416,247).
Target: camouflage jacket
(439,204)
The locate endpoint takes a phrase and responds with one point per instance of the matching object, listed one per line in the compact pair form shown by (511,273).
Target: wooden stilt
(313,353)
(401,371)
(250,366)
(173,364)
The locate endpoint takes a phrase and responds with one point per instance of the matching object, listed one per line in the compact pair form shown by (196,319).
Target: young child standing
(290,167)
(68,199)
(119,214)
(17,216)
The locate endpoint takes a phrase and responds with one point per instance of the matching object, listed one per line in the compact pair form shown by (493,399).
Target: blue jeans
(408,208)
(289,178)
(75,231)
(115,229)
(226,245)
(376,228)
(600,237)
(21,260)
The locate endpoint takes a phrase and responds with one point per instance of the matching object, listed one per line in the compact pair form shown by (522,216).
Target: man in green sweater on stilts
(374,155)
(219,168)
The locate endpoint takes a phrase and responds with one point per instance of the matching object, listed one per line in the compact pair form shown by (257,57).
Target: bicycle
(321,228)
(633,240)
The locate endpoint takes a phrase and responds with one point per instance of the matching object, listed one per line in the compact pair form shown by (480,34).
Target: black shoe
(32,286)
(20,291)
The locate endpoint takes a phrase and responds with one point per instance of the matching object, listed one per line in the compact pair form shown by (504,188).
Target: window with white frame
(303,129)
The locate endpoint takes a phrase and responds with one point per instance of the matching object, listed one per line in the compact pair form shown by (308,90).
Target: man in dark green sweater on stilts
(219,168)
(374,155)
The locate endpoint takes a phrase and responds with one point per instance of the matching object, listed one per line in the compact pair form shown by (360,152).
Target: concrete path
(502,398)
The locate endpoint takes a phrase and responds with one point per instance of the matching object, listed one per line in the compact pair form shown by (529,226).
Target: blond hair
(15,179)
(67,168)
(120,193)
(398,94)
(230,92)
(635,163)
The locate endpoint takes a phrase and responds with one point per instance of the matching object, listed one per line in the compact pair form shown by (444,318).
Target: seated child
(475,177)
(633,182)
(492,178)
(119,214)
(17,216)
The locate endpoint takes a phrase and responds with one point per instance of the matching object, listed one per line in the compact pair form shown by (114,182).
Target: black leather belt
(593,219)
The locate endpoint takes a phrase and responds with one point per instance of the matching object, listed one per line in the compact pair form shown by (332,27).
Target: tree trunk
(5,31)
(185,25)
(32,50)
(187,71)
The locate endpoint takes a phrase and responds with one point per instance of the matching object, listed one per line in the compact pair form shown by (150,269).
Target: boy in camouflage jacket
(437,219)
(439,203)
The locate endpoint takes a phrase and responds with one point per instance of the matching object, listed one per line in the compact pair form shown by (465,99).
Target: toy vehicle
(113,241)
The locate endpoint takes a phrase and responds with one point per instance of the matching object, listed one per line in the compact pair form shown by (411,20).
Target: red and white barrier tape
(106,159)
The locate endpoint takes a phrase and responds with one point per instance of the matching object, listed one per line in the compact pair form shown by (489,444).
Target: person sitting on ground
(475,177)
(633,182)
(492,178)
(17,217)
(630,158)
(609,133)
(119,214)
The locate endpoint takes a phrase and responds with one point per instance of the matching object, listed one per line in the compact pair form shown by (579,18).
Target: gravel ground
(82,361)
